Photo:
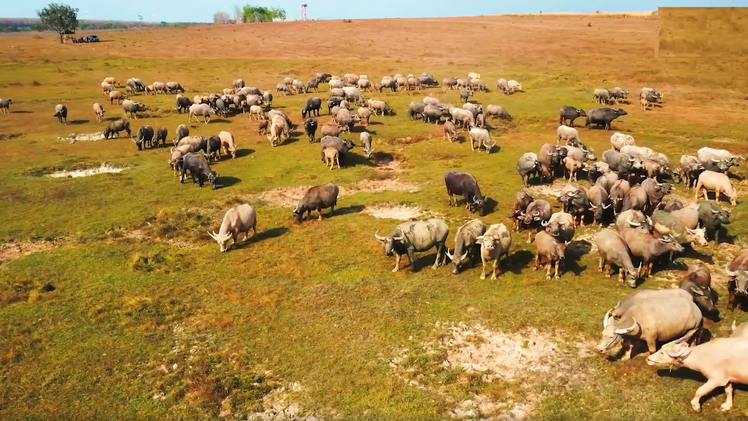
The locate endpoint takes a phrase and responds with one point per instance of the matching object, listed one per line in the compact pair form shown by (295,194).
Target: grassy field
(147,320)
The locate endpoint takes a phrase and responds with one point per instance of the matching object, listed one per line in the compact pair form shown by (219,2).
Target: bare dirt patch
(290,196)
(82,137)
(279,405)
(401,213)
(87,172)
(553,190)
(141,235)
(388,161)
(14,250)
(524,358)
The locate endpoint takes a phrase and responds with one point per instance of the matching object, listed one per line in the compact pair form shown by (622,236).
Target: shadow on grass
(225,181)
(518,261)
(262,236)
(78,122)
(244,152)
(219,120)
(22,112)
(349,210)
(354,160)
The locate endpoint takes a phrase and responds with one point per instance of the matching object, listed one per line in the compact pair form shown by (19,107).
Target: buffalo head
(740,279)
(389,242)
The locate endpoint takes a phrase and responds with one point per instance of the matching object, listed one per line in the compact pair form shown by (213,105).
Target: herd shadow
(348,210)
(22,112)
(240,153)
(77,122)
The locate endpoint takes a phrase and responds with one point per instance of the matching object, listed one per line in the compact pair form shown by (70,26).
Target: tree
(220,18)
(238,14)
(60,18)
(254,14)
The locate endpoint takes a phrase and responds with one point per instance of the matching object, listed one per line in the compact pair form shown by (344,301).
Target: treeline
(28,24)
(250,14)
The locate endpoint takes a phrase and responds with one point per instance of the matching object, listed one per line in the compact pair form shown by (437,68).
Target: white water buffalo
(494,243)
(416,236)
(651,319)
(237,220)
(718,183)
(203,110)
(550,251)
(718,159)
(619,140)
(482,138)
(721,361)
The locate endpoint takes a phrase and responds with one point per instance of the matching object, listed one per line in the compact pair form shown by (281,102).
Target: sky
(202,11)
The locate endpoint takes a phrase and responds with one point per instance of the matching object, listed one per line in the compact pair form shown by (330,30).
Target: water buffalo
(603,117)
(199,170)
(416,236)
(718,183)
(721,361)
(466,243)
(549,250)
(61,112)
(651,320)
(712,218)
(144,135)
(612,248)
(465,185)
(312,107)
(494,243)
(237,220)
(737,286)
(648,247)
(310,128)
(115,127)
(567,113)
(527,165)
(519,207)
(317,198)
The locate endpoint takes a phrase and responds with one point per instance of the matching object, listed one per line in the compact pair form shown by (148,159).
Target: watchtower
(303,11)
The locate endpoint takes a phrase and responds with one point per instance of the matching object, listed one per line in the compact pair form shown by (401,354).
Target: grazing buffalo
(712,218)
(519,207)
(416,236)
(61,112)
(317,198)
(465,185)
(612,248)
(652,319)
(721,361)
(528,165)
(312,107)
(237,220)
(115,127)
(199,170)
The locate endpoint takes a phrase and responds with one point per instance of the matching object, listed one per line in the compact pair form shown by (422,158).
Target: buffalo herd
(641,228)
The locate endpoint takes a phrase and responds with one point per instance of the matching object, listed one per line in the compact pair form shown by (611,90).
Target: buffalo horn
(632,223)
(628,329)
(379,237)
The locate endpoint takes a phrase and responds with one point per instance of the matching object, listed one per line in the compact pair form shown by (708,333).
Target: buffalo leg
(707,387)
(728,401)
(601,265)
(558,263)
(439,252)
(731,296)
(411,260)
(496,268)
(548,270)
(320,213)
(397,262)
(483,272)
(537,261)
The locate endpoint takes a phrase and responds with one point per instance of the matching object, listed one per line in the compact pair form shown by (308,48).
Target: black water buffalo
(183,104)
(117,126)
(213,148)
(712,217)
(144,135)
(161,134)
(333,101)
(569,113)
(199,170)
(312,107)
(603,117)
(317,198)
(310,128)
(465,185)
